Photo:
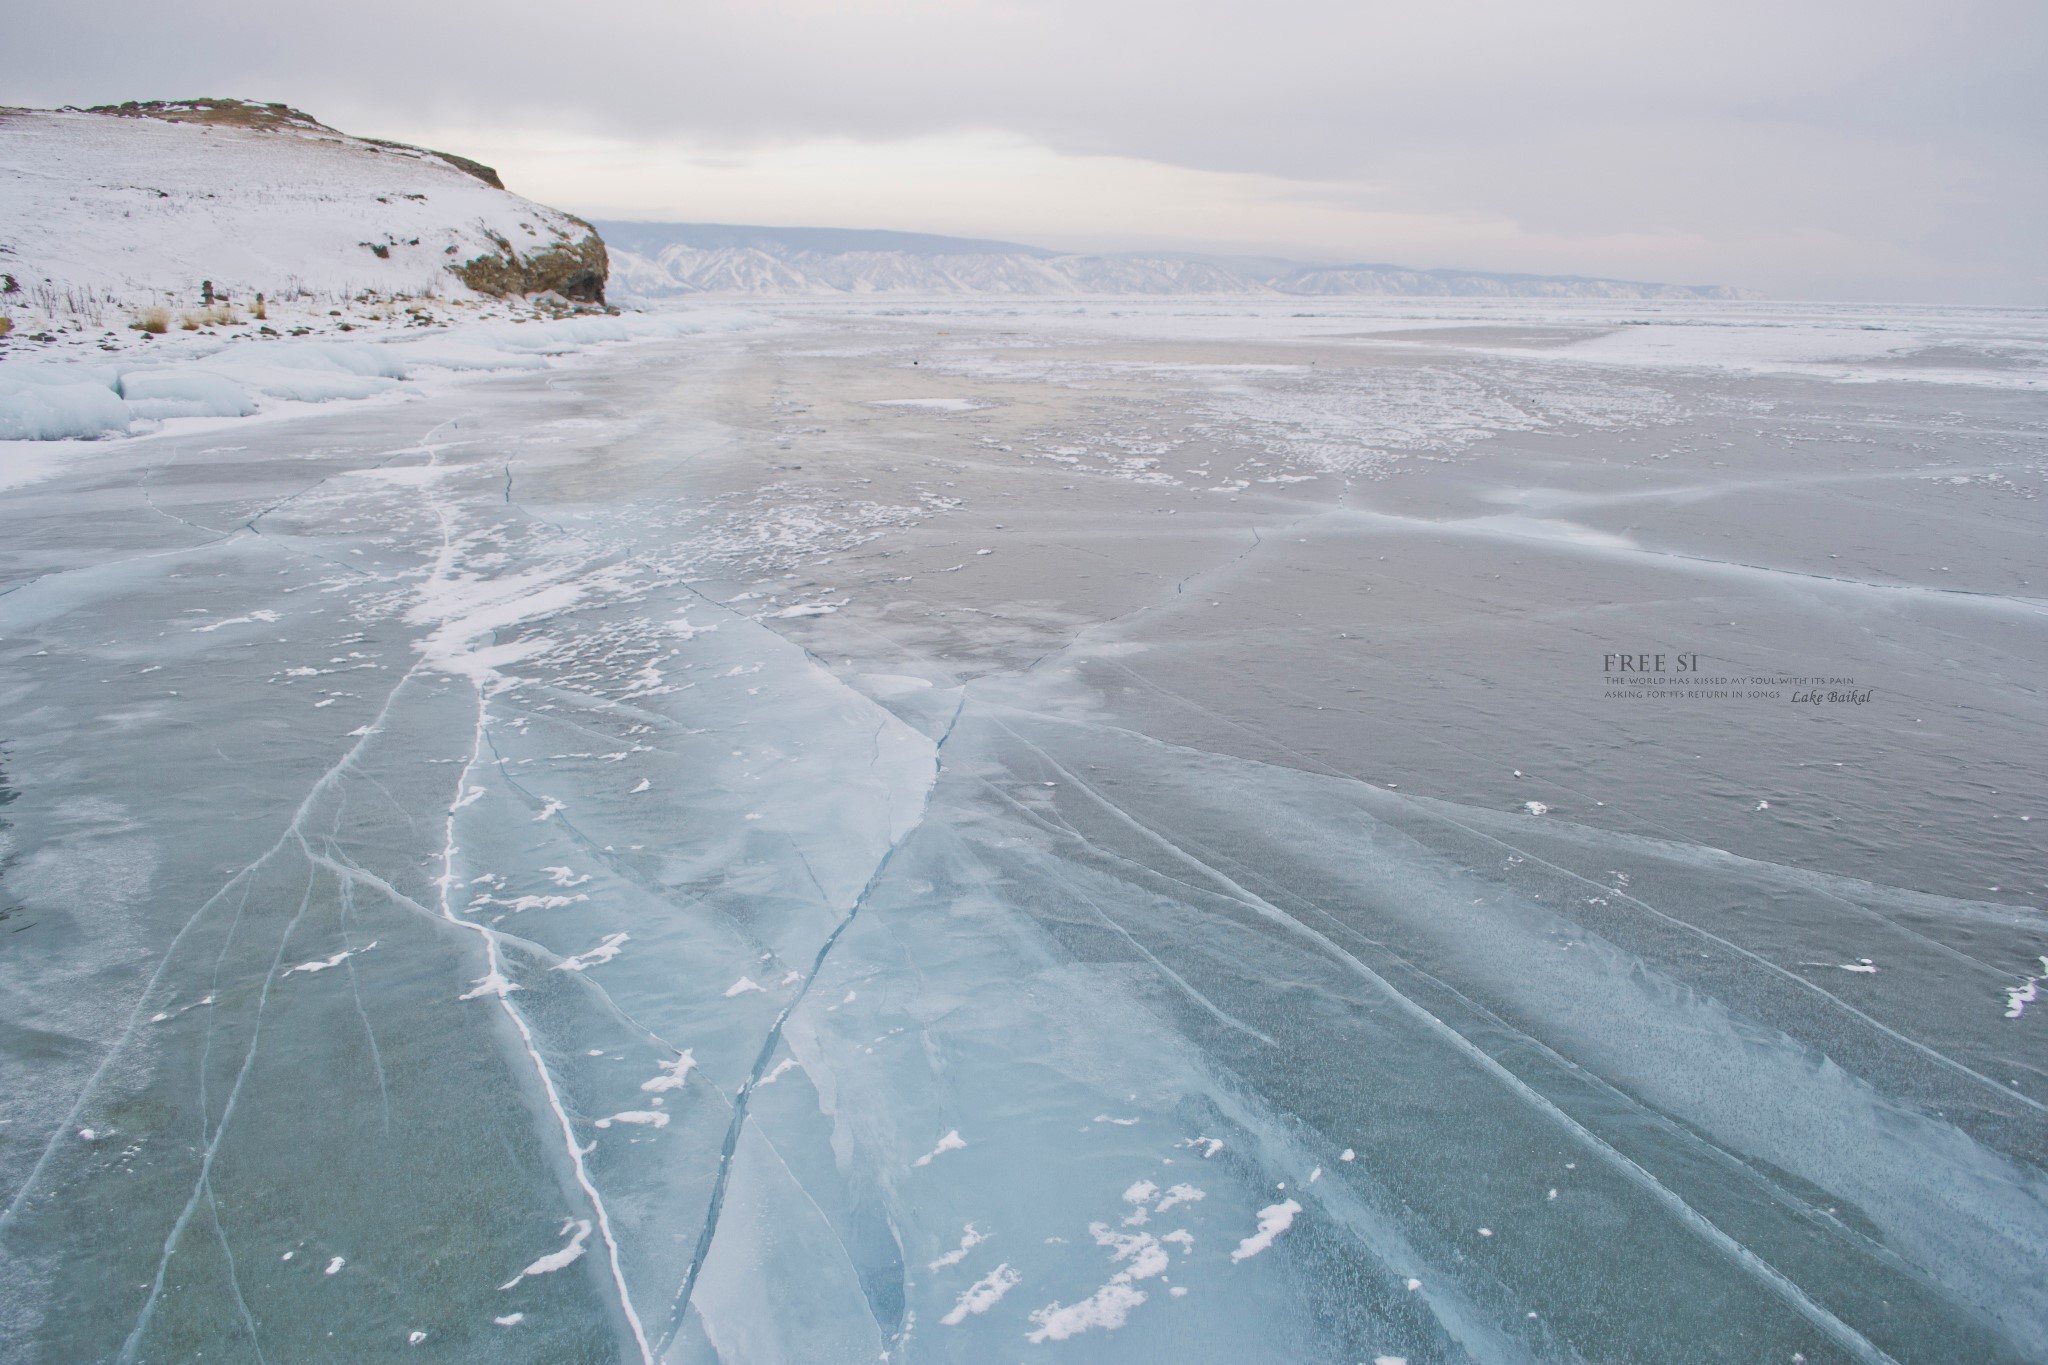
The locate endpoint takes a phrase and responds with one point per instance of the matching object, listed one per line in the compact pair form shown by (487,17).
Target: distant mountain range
(661,260)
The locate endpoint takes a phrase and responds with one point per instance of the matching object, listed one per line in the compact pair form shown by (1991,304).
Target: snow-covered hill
(660,260)
(106,212)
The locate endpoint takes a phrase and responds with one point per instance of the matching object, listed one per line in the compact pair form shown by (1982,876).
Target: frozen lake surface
(1088,832)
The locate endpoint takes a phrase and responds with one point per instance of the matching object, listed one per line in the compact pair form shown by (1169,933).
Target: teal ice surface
(599,865)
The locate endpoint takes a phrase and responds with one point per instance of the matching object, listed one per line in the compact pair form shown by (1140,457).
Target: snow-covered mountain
(121,207)
(660,260)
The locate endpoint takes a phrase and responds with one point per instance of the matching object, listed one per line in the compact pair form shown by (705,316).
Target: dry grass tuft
(157,320)
(208,317)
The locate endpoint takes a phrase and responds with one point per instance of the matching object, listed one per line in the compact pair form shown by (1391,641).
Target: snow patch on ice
(951,1142)
(1109,1307)
(930,404)
(673,1074)
(1274,1219)
(2017,998)
(493,983)
(984,1294)
(577,1230)
(970,1238)
(604,952)
(322,964)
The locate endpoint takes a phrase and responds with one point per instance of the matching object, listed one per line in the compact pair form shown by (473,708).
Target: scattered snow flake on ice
(1413,1285)
(930,404)
(951,1142)
(1274,1219)
(1179,1194)
(322,964)
(983,1294)
(786,1064)
(334,1266)
(652,1118)
(1535,808)
(549,805)
(510,1319)
(1121,1123)
(1210,1146)
(254,616)
(519,904)
(604,952)
(1390,1360)
(742,986)
(645,783)
(1861,964)
(577,1230)
(415,1338)
(970,1238)
(495,983)
(470,796)
(1347,1155)
(563,876)
(1110,1306)
(681,625)
(806,609)
(673,1074)
(2017,998)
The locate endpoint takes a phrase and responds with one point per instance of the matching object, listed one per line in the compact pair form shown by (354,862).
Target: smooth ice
(1090,832)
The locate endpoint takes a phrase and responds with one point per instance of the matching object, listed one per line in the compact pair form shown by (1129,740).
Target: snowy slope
(108,213)
(658,260)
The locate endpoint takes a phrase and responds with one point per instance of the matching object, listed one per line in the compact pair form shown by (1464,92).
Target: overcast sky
(1880,149)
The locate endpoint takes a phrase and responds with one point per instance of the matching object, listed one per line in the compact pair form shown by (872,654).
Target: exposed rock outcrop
(573,267)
